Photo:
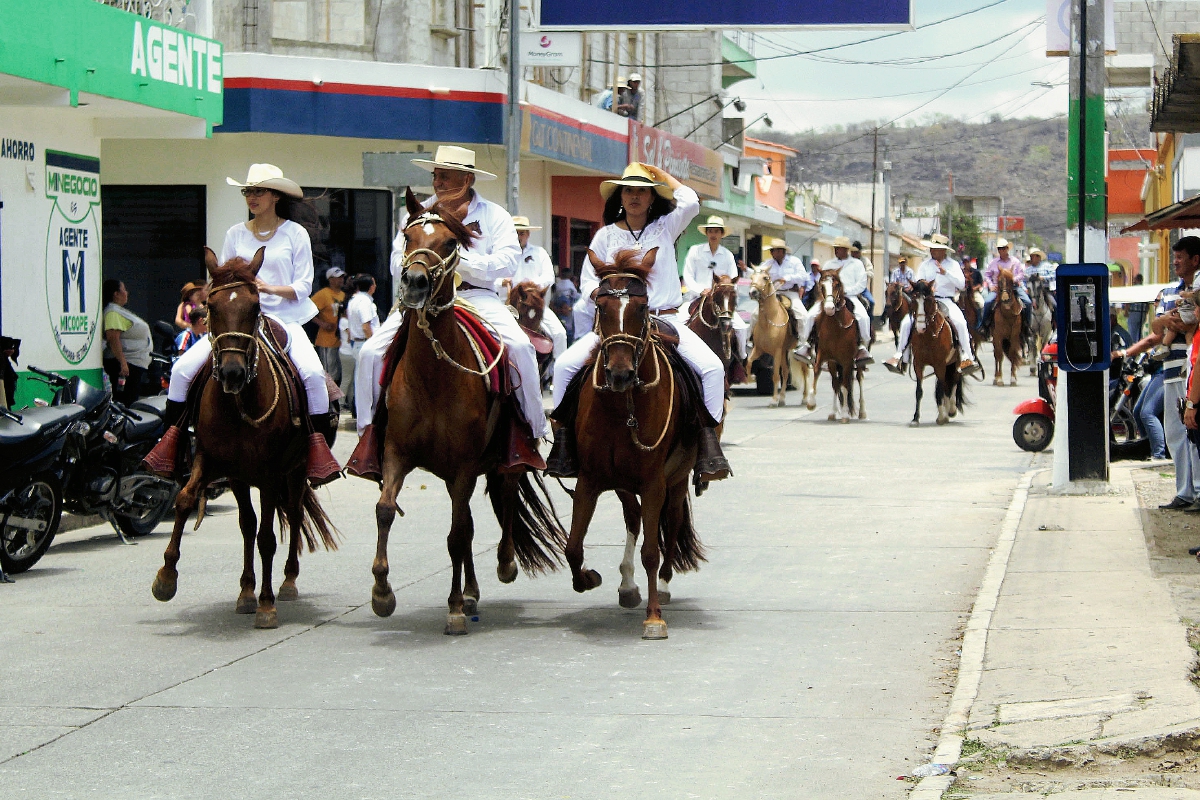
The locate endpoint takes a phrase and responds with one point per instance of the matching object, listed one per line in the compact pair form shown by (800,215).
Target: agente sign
(165,54)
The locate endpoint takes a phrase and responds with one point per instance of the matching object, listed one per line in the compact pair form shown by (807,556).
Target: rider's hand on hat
(661,175)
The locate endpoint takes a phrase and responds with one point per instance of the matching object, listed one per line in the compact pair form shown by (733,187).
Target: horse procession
(452,382)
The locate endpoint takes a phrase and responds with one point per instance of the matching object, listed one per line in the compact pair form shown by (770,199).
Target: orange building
(1127,171)
(770,189)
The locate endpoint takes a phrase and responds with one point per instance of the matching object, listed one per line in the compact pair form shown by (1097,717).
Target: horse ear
(546,291)
(257,262)
(595,259)
(210,260)
(716,280)
(648,259)
(411,202)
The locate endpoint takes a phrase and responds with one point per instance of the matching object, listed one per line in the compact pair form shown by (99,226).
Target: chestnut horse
(529,301)
(1006,328)
(440,417)
(247,430)
(632,437)
(837,345)
(932,345)
(712,320)
(897,309)
(774,336)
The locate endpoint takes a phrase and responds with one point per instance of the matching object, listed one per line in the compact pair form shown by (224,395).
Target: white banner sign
(555,49)
(1058,28)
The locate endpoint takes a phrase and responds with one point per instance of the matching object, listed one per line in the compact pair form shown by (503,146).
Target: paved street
(812,656)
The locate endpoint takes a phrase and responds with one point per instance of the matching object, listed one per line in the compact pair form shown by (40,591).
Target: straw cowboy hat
(842,241)
(776,244)
(937,241)
(635,175)
(522,224)
(713,222)
(269,176)
(1037,250)
(449,156)
(1001,242)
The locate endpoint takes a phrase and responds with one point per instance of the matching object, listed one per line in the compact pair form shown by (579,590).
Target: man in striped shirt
(1186,259)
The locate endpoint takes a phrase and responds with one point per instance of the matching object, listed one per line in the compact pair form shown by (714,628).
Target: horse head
(1004,285)
(761,286)
(724,302)
(434,238)
(623,315)
(924,305)
(529,300)
(832,297)
(233,317)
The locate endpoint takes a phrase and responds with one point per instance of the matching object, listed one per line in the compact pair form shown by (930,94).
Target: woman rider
(284,283)
(646,208)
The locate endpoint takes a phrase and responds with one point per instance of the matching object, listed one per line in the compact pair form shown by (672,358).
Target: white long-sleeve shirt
(663,286)
(790,273)
(702,264)
(852,274)
(287,262)
(944,284)
(492,256)
(534,265)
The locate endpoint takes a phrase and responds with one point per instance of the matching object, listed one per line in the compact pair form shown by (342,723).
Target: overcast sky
(993,74)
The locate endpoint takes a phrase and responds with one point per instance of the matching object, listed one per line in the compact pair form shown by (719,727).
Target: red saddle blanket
(484,343)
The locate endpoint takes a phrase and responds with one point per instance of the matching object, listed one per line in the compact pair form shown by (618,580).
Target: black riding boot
(563,461)
(711,464)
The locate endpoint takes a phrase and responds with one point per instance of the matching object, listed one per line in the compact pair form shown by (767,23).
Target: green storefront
(73,73)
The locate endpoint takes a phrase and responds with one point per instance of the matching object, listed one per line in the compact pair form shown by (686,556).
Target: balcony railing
(178,13)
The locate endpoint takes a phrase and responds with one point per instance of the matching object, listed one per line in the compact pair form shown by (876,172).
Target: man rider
(853,276)
(992,274)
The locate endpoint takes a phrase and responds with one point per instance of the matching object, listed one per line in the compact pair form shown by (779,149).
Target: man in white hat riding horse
(706,261)
(491,257)
(534,266)
(791,279)
(853,276)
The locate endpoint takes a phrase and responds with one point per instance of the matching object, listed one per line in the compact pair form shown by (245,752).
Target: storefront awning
(1184,214)
(1176,104)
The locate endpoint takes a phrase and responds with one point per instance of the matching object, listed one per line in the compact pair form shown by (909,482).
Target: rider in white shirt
(703,263)
(791,279)
(534,266)
(947,278)
(853,276)
(491,257)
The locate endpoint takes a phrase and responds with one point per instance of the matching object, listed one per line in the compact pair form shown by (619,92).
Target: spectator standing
(10,351)
(329,301)
(362,321)
(127,343)
(629,97)
(348,356)
(193,295)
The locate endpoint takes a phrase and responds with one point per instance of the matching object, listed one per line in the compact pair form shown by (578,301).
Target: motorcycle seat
(155,405)
(149,426)
(38,421)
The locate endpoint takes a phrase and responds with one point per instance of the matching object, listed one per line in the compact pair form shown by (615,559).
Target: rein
(250,353)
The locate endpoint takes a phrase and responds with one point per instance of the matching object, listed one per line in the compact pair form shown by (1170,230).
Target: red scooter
(1034,427)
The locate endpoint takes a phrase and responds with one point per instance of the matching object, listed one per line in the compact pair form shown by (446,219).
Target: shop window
(354,232)
(570,239)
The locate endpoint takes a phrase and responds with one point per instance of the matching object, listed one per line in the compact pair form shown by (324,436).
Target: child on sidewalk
(196,330)
(1176,322)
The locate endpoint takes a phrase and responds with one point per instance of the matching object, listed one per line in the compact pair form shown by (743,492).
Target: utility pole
(512,123)
(874,183)
(887,215)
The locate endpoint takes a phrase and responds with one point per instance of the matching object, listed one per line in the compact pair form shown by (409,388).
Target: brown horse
(632,437)
(248,430)
(440,416)
(932,345)
(1006,328)
(712,320)
(529,301)
(897,309)
(971,313)
(837,345)
(774,336)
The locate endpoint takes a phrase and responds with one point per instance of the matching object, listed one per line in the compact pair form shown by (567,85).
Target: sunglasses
(254,192)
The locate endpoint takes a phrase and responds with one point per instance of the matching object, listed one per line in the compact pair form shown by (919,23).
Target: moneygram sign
(717,14)
(695,165)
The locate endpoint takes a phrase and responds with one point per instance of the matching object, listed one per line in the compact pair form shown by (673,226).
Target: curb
(974,647)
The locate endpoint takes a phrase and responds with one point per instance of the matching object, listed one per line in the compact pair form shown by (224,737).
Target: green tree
(965,234)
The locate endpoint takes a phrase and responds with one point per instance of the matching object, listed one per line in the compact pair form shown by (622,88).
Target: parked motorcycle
(103,453)
(31,481)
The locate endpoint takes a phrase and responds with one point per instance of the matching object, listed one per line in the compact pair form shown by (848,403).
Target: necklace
(637,237)
(265,237)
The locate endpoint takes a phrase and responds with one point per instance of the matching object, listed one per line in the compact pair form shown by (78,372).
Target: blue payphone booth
(1083,320)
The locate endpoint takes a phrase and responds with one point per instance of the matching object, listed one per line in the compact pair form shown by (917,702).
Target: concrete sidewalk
(1078,657)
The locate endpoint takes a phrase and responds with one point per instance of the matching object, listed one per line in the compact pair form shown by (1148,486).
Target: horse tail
(315,524)
(689,552)
(538,536)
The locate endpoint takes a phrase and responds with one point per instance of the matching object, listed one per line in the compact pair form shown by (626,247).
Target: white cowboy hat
(522,224)
(1001,242)
(635,175)
(268,176)
(449,156)
(937,241)
(775,244)
(842,241)
(713,222)
(1038,251)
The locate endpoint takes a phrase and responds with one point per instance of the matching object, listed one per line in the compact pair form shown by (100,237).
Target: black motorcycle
(1126,436)
(103,455)
(31,481)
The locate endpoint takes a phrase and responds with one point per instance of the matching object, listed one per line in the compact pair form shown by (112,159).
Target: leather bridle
(634,287)
(249,352)
(438,267)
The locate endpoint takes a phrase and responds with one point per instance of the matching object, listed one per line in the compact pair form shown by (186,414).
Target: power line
(952,140)
(913,60)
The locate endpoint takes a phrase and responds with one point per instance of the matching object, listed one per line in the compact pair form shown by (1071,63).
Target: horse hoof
(288,592)
(664,597)
(811,406)
(832,417)
(470,606)
(1014,382)
(998,382)
(844,420)
(588,579)
(507,573)
(942,420)
(456,625)
(783,401)
(773,404)
(163,589)
(266,619)
(914,424)
(246,604)
(654,629)
(383,604)
(629,598)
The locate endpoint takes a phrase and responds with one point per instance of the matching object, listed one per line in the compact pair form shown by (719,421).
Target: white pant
(300,350)
(521,356)
(741,328)
(955,315)
(860,316)
(552,326)
(583,314)
(692,348)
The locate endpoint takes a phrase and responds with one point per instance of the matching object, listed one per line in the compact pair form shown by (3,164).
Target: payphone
(1083,317)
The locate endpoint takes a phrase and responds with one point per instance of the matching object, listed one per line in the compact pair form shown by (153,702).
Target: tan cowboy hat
(842,241)
(1001,242)
(522,224)
(635,175)
(449,156)
(268,176)
(937,241)
(713,222)
(1038,251)
(775,244)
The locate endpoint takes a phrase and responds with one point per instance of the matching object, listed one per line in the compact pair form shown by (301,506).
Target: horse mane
(528,293)
(629,261)
(1004,273)
(235,270)
(461,233)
